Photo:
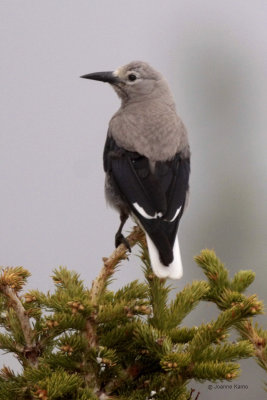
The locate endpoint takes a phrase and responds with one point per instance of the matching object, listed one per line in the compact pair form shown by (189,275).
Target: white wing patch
(156,215)
(176,214)
(144,213)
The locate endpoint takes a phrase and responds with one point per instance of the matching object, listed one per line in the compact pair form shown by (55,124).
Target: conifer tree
(78,343)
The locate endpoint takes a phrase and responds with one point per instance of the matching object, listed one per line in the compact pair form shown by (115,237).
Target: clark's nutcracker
(147,161)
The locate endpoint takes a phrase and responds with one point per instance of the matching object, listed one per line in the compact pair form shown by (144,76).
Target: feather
(156,200)
(174,270)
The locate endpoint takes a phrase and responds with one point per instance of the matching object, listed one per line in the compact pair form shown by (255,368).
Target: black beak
(102,76)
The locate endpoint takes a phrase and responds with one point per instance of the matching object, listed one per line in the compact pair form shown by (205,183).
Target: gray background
(53,128)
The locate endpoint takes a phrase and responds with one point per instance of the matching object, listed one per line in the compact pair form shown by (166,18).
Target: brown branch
(98,287)
(30,350)
(99,284)
(110,263)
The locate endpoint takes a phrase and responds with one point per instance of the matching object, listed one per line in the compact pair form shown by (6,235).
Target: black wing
(157,199)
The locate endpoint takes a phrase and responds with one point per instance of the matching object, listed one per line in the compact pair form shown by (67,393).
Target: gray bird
(147,162)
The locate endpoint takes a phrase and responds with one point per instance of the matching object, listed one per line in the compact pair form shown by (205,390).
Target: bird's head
(133,81)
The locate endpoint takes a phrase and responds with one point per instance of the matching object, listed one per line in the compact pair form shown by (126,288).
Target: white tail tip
(174,270)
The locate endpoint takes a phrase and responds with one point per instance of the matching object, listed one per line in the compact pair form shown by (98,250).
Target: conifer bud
(144,351)
(49,323)
(230,376)
(129,315)
(108,362)
(67,349)
(260,342)
(29,298)
(75,306)
(58,281)
(52,323)
(160,340)
(41,394)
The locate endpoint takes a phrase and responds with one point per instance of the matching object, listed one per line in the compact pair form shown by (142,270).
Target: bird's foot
(119,239)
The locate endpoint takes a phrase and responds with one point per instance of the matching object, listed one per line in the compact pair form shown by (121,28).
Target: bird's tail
(174,270)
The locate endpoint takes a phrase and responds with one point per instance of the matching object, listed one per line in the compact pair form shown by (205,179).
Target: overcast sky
(53,127)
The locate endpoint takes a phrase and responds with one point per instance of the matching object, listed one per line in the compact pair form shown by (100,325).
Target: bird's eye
(132,77)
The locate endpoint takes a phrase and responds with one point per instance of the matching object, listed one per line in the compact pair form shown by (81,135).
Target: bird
(147,162)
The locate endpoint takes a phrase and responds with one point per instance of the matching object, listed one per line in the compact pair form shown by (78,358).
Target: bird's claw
(120,239)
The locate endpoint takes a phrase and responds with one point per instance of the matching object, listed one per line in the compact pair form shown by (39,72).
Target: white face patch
(117,72)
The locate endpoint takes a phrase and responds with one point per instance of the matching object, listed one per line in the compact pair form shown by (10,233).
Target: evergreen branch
(227,293)
(58,385)
(158,297)
(100,283)
(242,280)
(30,350)
(97,344)
(228,351)
(152,340)
(119,338)
(176,361)
(185,301)
(67,280)
(132,291)
(213,268)
(215,332)
(15,277)
(182,334)
(7,343)
(258,338)
(14,387)
(157,291)
(110,263)
(216,370)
